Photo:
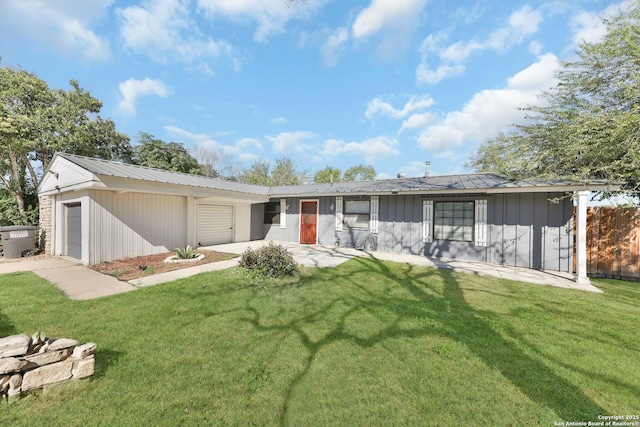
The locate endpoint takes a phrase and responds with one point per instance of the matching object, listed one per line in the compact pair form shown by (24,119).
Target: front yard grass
(367,343)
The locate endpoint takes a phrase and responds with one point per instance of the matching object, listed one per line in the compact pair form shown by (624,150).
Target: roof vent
(401,175)
(426,173)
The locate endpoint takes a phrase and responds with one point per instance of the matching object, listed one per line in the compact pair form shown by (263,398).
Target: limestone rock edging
(28,363)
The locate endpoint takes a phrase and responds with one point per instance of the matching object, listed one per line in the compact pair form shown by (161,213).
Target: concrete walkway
(80,283)
(74,279)
(330,256)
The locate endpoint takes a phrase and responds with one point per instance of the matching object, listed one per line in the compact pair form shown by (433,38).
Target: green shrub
(186,253)
(272,261)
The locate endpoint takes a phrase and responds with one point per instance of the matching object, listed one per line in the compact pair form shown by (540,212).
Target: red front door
(308,222)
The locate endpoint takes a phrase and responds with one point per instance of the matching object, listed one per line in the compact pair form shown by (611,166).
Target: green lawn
(367,343)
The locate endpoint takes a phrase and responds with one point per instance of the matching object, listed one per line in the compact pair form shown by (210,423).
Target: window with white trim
(272,213)
(453,221)
(356,214)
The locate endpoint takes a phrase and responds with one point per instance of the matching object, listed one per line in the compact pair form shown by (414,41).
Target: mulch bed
(133,268)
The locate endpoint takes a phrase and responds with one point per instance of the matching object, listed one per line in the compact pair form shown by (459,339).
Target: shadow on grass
(448,314)
(105,360)
(6,326)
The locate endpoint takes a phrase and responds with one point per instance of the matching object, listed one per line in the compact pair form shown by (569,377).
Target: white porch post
(581,238)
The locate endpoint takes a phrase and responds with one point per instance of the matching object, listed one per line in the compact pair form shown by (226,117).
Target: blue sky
(391,83)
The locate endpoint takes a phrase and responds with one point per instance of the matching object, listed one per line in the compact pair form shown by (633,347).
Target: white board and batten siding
(133,224)
(215,224)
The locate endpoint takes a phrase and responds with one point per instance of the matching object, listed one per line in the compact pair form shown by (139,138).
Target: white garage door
(215,224)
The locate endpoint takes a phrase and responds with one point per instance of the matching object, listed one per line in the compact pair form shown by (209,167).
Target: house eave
(500,190)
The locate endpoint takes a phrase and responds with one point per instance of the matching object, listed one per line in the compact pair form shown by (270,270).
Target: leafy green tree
(258,174)
(589,124)
(359,173)
(36,122)
(155,153)
(328,174)
(284,172)
(354,173)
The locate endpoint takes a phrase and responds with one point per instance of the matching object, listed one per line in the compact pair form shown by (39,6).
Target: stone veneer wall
(45,223)
(28,363)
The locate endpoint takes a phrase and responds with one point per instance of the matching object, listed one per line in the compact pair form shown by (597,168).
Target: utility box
(18,240)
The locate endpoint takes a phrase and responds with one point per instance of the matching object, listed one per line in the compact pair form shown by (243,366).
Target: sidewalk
(75,280)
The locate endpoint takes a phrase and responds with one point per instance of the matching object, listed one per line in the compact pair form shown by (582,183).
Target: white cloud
(244,148)
(522,23)
(390,24)
(63,25)
(535,47)
(378,107)
(490,111)
(279,120)
(291,141)
(428,76)
(333,46)
(416,121)
(589,27)
(381,14)
(164,31)
(132,89)
(372,149)
(249,143)
(199,139)
(270,15)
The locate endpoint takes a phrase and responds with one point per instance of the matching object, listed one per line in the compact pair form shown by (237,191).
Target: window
(356,214)
(453,221)
(272,213)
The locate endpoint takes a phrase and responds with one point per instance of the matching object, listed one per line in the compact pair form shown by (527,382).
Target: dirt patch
(133,268)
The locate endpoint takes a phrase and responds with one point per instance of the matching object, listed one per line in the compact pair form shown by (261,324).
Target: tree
(589,124)
(354,173)
(359,173)
(216,164)
(36,122)
(328,174)
(284,172)
(155,153)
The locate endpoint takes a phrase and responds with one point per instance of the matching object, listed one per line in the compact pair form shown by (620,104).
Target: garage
(214,224)
(74,231)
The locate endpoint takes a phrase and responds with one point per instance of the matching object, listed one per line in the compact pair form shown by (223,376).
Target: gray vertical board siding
(291,232)
(398,221)
(539,229)
(495,222)
(326,221)
(559,242)
(524,231)
(385,223)
(416,225)
(510,223)
(257,222)
(403,235)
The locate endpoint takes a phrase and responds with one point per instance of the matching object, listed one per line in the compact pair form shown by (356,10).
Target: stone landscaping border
(28,363)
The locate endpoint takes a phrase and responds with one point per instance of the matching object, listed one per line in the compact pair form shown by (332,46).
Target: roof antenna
(426,174)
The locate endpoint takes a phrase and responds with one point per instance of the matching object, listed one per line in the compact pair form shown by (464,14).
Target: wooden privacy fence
(613,242)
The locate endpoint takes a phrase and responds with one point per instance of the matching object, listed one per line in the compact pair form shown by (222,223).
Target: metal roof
(124,170)
(470,183)
(444,184)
